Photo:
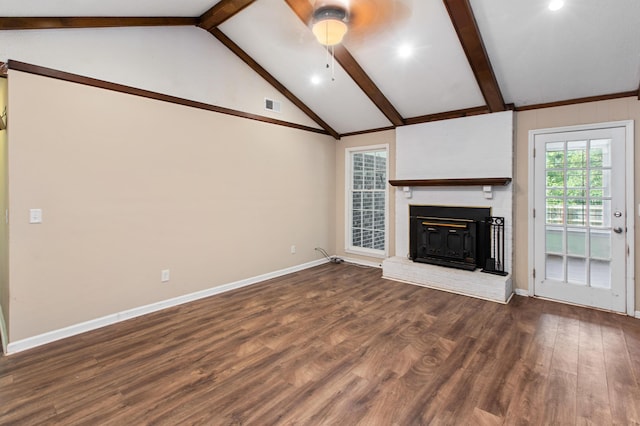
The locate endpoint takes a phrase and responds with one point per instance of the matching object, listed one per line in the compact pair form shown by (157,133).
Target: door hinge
(534,272)
(534,212)
(534,153)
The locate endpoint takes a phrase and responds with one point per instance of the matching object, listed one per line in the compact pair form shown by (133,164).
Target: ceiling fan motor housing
(330,12)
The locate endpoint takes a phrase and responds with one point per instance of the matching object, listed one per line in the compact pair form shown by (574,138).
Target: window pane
(356,221)
(358,182)
(368,179)
(576,178)
(378,221)
(600,153)
(600,213)
(577,211)
(577,241)
(369,162)
(601,244)
(367,200)
(356,238)
(367,238)
(555,179)
(600,274)
(577,155)
(555,155)
(576,270)
(555,211)
(554,267)
(357,200)
(555,192)
(358,162)
(380,179)
(379,200)
(554,240)
(601,179)
(596,193)
(367,219)
(378,240)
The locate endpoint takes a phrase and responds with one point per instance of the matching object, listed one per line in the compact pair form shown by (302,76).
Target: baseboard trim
(362,262)
(521,292)
(52,336)
(3,332)
(638,314)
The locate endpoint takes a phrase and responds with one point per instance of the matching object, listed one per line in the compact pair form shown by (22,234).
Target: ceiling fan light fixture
(555,5)
(329,25)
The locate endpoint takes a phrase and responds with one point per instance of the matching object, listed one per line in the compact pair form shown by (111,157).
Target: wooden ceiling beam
(221,12)
(120,88)
(45,23)
(304,10)
(271,80)
(360,77)
(465,25)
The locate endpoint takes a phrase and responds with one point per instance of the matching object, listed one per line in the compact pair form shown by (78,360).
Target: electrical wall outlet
(293,249)
(164,275)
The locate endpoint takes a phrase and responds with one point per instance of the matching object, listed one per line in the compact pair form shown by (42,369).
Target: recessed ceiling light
(405,51)
(556,5)
(315,80)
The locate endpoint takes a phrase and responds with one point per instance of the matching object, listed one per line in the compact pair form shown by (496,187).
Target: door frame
(629,201)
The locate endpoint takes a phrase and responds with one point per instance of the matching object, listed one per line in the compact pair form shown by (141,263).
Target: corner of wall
(3,331)
(4,234)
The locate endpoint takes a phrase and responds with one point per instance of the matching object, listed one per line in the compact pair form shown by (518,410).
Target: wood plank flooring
(336,345)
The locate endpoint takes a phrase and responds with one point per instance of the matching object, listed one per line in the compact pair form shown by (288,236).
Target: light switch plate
(35,215)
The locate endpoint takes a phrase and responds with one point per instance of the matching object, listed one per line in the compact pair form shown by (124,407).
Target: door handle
(617,230)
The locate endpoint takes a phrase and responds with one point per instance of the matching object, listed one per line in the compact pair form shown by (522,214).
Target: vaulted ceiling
(419,60)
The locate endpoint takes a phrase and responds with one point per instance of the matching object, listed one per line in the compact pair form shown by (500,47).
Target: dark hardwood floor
(336,345)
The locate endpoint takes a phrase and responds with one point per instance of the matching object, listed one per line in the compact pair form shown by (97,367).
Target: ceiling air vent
(271,105)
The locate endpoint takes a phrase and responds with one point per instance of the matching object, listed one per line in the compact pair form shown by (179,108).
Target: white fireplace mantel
(477,150)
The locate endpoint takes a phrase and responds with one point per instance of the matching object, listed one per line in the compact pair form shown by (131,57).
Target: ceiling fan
(332,20)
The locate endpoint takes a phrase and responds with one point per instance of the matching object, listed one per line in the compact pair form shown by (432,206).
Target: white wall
(186,62)
(472,147)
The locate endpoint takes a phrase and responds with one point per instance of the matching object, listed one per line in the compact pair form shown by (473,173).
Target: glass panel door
(579,242)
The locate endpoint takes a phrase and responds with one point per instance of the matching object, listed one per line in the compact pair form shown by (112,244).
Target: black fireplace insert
(459,237)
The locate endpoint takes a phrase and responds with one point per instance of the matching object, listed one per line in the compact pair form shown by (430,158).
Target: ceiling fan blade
(370,16)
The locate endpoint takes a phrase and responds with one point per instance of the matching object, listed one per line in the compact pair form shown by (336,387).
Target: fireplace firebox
(459,237)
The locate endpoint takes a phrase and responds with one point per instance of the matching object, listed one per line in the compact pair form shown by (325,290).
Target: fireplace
(458,237)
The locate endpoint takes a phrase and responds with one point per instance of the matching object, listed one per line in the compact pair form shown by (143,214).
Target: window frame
(348,186)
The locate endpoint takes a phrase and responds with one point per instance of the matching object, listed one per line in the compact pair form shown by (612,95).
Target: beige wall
(4,235)
(130,186)
(593,112)
(377,138)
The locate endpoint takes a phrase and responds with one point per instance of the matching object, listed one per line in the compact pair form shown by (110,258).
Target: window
(366,189)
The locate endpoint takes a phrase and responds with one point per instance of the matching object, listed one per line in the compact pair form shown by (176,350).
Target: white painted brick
(470,283)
